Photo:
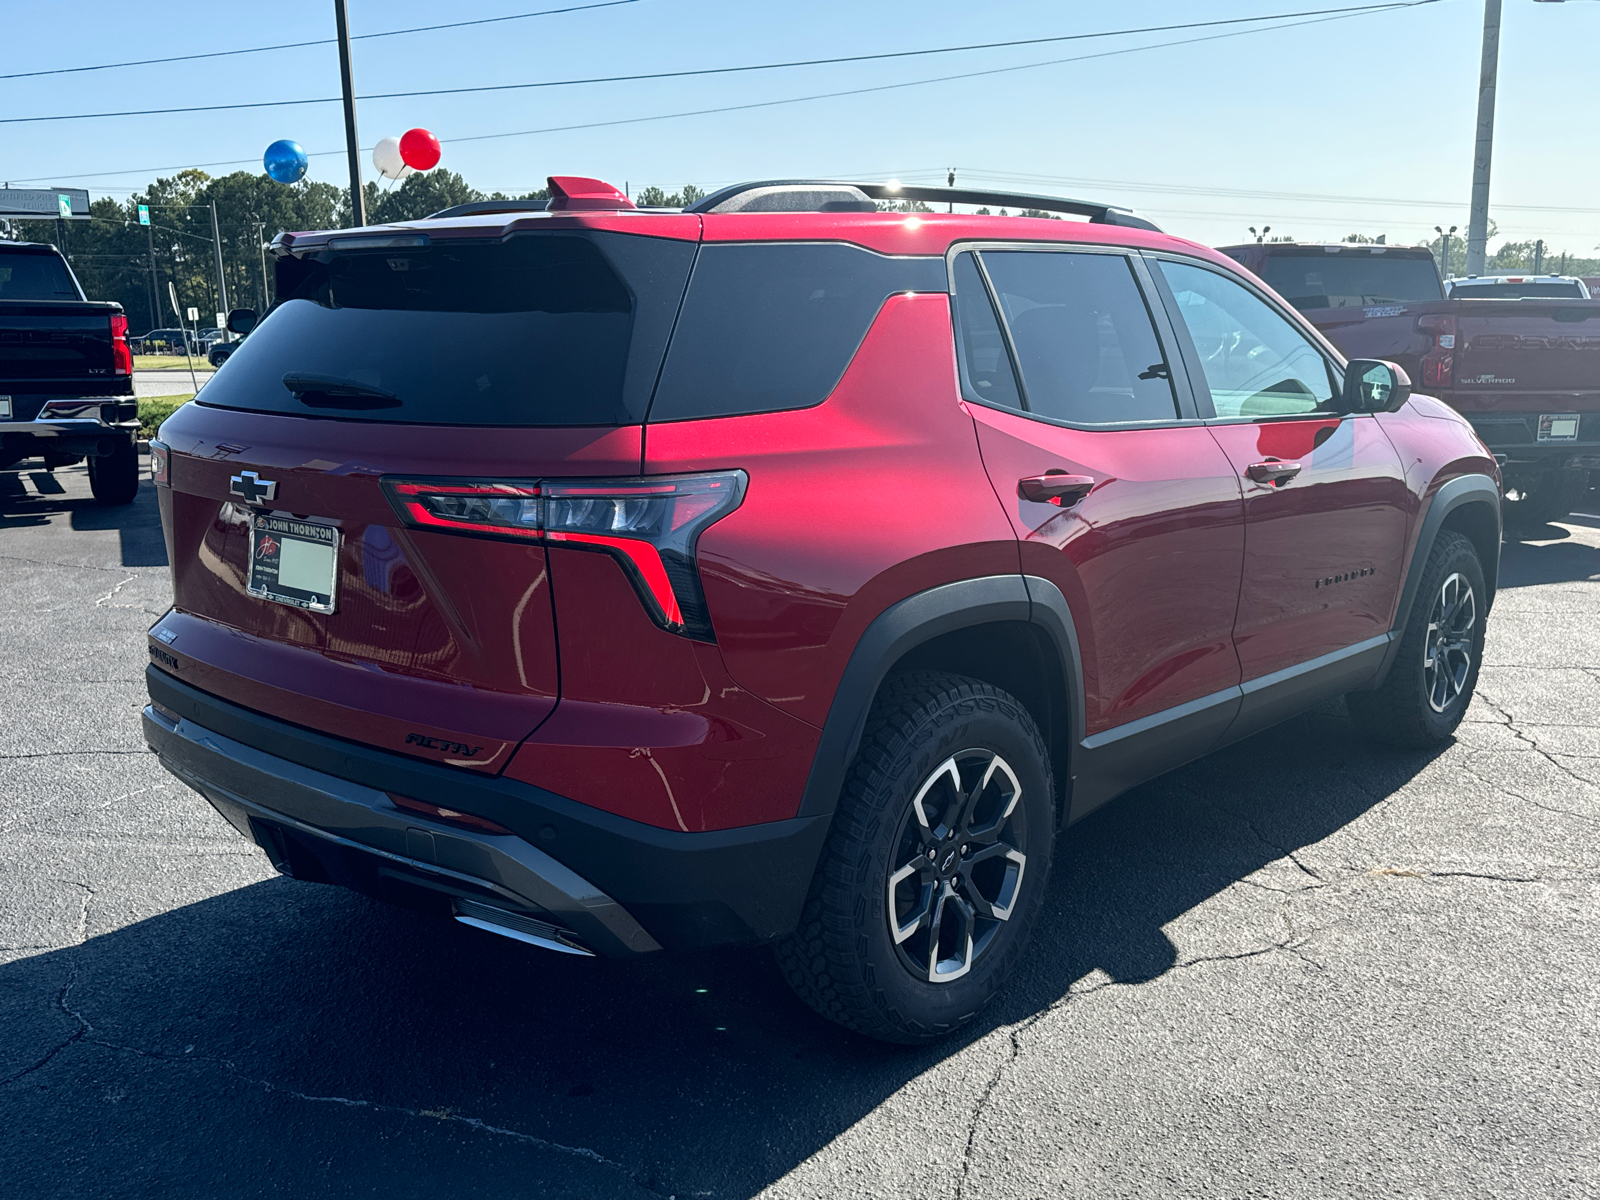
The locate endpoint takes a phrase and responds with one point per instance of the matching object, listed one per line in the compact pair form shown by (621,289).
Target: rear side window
(1572,290)
(26,276)
(542,329)
(1083,337)
(771,326)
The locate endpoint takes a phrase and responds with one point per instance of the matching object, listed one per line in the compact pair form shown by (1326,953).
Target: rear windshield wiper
(335,391)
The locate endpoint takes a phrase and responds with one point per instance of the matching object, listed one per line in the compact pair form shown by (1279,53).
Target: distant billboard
(44,204)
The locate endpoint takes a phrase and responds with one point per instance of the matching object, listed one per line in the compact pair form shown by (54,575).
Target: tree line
(116,258)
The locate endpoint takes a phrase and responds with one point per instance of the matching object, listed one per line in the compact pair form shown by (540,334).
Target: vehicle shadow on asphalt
(292,1038)
(30,498)
(1548,554)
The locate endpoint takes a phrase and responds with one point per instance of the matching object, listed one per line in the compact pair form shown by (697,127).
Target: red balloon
(419,149)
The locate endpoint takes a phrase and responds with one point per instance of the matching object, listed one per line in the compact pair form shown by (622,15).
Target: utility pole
(222,282)
(950,181)
(1478,225)
(155,280)
(1538,257)
(358,207)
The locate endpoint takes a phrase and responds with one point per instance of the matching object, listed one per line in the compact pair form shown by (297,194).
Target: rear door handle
(1055,487)
(1273,472)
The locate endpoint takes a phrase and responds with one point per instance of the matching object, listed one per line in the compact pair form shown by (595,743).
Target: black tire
(1428,688)
(114,477)
(1552,496)
(844,960)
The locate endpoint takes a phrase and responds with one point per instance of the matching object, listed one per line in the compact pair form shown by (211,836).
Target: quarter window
(1255,362)
(985,362)
(1084,341)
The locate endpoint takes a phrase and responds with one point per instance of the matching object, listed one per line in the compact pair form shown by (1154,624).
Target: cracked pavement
(1304,966)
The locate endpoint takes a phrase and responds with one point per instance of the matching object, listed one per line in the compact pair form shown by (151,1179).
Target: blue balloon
(285,161)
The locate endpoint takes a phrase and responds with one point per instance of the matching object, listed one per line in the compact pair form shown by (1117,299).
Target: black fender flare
(920,618)
(1454,494)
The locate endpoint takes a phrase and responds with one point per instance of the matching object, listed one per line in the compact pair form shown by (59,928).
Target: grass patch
(155,409)
(168,362)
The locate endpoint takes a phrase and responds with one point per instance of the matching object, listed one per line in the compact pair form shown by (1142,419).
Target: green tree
(654,197)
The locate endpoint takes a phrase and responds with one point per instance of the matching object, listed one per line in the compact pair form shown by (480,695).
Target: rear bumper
(84,432)
(1514,437)
(318,806)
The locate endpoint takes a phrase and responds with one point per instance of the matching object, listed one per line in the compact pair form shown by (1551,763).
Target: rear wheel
(1431,681)
(935,866)
(114,477)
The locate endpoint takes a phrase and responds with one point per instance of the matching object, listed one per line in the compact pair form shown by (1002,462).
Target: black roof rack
(1101,214)
(479,207)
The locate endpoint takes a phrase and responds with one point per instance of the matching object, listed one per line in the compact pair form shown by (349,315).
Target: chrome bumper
(266,798)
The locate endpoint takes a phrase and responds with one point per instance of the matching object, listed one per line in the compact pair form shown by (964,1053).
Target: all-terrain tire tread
(1392,713)
(822,961)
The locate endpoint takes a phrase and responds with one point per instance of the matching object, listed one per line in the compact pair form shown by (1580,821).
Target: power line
(791,99)
(146,62)
(746,68)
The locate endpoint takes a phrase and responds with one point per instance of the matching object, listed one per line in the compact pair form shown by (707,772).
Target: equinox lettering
(448,747)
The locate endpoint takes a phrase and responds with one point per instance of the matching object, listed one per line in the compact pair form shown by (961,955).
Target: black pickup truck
(66,374)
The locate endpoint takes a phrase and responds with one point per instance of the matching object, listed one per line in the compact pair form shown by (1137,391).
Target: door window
(1083,336)
(1256,363)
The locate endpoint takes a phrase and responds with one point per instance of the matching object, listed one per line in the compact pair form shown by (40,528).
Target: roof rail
(1101,214)
(479,207)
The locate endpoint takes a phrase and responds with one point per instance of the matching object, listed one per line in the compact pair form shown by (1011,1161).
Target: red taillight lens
(650,526)
(1438,363)
(160,464)
(121,356)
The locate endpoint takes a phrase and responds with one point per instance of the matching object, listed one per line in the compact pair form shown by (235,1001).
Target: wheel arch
(1468,505)
(1012,631)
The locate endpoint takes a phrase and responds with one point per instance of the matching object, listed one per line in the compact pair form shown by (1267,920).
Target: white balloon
(386,158)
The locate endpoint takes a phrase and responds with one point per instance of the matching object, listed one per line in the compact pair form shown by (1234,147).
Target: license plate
(1558,427)
(293,562)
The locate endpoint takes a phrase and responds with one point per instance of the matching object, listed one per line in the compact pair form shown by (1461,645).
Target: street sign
(64,206)
(194,313)
(144,214)
(222,320)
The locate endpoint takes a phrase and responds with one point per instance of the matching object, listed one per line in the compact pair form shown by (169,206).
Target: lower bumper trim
(319,827)
(518,927)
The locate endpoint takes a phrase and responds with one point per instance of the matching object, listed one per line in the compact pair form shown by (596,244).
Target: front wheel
(114,477)
(936,864)
(1431,681)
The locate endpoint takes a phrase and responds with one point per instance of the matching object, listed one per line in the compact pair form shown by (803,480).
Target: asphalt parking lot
(1304,966)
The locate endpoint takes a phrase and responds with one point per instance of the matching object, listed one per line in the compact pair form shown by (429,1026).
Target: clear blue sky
(1378,107)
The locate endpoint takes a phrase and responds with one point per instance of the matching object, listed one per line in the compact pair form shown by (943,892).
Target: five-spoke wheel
(958,865)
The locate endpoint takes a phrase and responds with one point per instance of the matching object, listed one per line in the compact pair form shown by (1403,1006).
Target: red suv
(782,569)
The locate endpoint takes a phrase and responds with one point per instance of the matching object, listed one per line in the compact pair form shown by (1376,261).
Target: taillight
(121,356)
(160,464)
(650,526)
(1439,362)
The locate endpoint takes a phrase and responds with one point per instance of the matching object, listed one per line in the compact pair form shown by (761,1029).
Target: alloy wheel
(1447,650)
(957,866)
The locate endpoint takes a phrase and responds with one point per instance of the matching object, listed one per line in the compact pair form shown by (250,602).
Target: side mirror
(1373,385)
(241,321)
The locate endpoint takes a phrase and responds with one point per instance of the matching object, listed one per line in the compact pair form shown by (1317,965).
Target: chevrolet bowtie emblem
(252,488)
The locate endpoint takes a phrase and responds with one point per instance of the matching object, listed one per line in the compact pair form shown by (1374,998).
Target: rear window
(542,329)
(1516,291)
(1318,279)
(26,276)
(768,326)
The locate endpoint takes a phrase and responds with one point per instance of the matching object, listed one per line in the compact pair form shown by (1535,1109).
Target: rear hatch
(477,354)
